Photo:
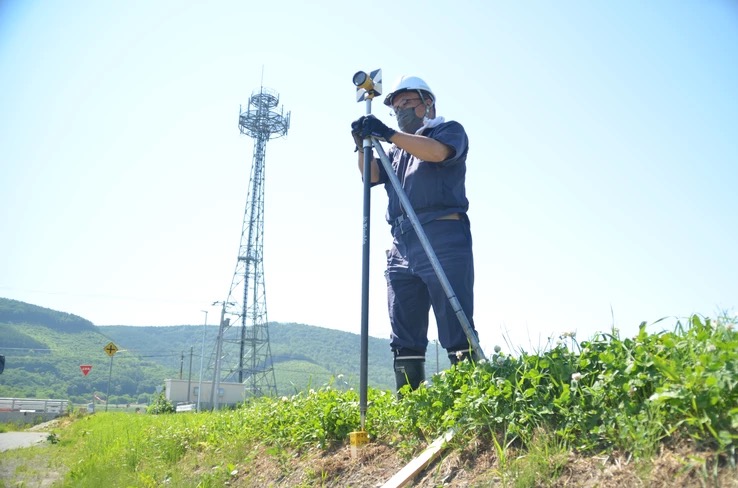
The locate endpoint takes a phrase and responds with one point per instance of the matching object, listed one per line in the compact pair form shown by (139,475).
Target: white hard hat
(407,83)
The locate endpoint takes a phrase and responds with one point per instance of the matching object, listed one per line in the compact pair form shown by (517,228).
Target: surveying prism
(368,85)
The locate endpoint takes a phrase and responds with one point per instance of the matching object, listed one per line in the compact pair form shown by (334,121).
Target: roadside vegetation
(565,415)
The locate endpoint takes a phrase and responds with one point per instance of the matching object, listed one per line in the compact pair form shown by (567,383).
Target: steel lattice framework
(243,338)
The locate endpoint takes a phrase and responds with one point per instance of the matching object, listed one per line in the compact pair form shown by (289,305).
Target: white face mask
(408,122)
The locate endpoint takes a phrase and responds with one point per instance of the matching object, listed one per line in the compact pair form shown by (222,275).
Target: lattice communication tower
(243,338)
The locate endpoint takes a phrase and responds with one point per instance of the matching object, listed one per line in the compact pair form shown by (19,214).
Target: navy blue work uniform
(437,193)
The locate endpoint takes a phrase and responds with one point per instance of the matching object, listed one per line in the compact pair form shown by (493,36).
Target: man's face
(408,99)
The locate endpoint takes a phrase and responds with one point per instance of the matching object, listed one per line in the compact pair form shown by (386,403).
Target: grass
(11,427)
(632,396)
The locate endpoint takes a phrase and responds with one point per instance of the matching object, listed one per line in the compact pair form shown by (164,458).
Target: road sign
(85,368)
(110,349)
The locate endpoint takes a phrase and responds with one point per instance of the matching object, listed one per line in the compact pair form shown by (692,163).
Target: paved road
(13,440)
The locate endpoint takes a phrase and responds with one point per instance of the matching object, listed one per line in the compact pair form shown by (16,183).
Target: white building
(184,391)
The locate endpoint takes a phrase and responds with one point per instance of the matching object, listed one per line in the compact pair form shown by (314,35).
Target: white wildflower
(498,349)
(459,354)
(500,360)
(575,377)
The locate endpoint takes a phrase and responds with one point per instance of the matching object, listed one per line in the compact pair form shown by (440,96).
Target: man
(429,157)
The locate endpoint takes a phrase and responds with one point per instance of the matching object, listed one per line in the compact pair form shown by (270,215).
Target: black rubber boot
(456,356)
(409,370)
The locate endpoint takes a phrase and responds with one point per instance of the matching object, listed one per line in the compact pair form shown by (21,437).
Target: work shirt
(434,189)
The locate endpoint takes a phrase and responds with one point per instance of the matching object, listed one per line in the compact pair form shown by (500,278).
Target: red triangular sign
(85,368)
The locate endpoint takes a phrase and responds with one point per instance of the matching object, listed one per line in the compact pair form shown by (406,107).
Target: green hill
(304,356)
(45,348)
(15,312)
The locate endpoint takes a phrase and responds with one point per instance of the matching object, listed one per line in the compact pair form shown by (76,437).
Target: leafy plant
(160,404)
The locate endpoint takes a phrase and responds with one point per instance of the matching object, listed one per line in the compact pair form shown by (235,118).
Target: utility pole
(224,324)
(202,357)
(189,378)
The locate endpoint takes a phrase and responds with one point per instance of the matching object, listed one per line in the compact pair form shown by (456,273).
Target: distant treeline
(15,312)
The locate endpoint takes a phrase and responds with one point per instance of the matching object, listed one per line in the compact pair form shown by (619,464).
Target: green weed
(631,396)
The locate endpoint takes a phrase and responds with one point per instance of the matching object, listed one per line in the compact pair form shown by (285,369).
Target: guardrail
(33,405)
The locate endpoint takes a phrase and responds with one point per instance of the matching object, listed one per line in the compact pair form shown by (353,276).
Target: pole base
(357,440)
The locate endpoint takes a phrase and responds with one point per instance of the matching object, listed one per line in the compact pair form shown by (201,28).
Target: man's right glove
(372,126)
(356,132)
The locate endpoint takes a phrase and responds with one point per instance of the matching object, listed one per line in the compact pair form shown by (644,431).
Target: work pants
(413,286)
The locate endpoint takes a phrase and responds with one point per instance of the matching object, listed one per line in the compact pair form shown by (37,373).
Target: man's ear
(431,104)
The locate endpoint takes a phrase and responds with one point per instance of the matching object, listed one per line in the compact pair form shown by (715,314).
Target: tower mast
(243,352)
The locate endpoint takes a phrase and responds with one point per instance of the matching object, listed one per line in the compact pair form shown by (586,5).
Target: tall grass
(631,395)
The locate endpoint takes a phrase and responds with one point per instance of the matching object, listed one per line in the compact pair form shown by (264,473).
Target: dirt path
(14,440)
(28,469)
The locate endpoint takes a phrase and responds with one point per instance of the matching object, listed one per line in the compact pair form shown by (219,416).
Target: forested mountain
(45,348)
(15,312)
(303,356)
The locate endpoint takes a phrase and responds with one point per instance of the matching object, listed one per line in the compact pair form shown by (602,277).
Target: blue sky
(602,170)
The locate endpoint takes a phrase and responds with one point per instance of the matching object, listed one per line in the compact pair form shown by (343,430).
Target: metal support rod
(110,377)
(410,212)
(364,348)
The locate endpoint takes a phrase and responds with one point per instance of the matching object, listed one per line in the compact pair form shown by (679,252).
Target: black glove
(372,126)
(356,132)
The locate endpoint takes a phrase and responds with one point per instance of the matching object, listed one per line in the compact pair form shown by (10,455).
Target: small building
(184,391)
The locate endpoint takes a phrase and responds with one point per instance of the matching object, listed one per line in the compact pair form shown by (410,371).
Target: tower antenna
(242,351)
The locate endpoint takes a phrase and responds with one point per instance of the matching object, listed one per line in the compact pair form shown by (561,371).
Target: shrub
(160,404)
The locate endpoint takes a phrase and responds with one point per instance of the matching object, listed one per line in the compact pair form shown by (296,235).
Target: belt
(399,222)
(452,216)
